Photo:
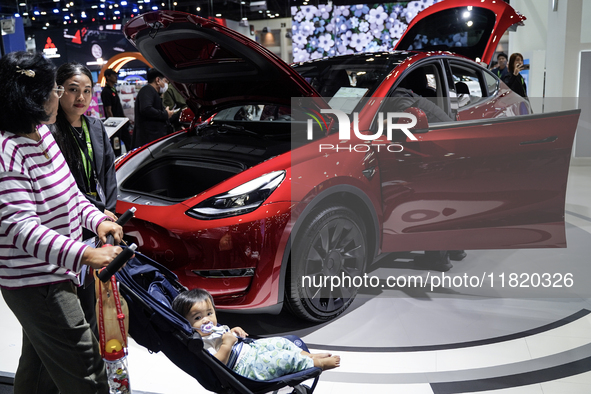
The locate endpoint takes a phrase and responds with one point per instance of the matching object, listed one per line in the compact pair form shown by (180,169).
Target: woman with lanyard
(514,80)
(88,152)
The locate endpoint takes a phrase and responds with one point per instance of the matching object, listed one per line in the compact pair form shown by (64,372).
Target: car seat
(418,83)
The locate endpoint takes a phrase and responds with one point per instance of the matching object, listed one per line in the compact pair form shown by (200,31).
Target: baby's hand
(239,332)
(229,339)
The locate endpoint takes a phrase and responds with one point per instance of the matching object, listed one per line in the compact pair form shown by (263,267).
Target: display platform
(422,340)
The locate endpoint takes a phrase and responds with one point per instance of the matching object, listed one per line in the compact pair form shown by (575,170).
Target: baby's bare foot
(327,362)
(320,355)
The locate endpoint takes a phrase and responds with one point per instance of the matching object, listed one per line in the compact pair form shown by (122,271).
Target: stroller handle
(117,263)
(122,258)
(121,221)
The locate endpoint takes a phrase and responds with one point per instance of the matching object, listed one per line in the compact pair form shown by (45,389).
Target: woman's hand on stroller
(108,227)
(239,332)
(98,258)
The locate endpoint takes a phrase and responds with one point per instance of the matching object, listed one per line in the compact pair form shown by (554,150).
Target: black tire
(333,243)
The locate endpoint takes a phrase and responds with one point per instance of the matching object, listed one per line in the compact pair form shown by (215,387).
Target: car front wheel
(328,261)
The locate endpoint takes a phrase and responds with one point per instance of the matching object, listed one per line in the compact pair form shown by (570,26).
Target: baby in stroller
(261,359)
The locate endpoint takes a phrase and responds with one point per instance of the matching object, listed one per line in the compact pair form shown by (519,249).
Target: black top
(110,98)
(150,117)
(517,84)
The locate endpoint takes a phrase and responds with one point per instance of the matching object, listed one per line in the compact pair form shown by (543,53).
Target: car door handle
(549,139)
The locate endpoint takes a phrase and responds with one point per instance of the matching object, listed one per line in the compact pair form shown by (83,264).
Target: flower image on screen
(329,30)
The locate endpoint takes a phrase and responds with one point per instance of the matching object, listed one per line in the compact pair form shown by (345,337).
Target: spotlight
(265,29)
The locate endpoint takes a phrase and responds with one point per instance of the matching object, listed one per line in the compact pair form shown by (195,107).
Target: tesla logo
(345,124)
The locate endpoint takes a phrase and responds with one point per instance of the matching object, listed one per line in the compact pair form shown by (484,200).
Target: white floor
(446,340)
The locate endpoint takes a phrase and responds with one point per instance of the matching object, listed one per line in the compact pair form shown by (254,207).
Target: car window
(420,87)
(492,83)
(463,30)
(352,77)
(468,86)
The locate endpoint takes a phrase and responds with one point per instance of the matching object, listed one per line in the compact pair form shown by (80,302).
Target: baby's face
(202,313)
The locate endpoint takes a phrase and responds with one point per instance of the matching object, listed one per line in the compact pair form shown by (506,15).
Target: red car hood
(214,66)
(466,27)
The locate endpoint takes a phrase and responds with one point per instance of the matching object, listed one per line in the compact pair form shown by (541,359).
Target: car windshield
(349,76)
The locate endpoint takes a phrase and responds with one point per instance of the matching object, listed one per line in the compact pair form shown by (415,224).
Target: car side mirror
(422,122)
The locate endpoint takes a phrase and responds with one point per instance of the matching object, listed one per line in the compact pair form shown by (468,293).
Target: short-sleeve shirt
(110,98)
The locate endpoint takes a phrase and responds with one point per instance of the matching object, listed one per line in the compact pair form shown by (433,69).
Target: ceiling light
(17,15)
(22,4)
(155,7)
(117,12)
(134,10)
(218,15)
(36,12)
(124,2)
(198,8)
(56,11)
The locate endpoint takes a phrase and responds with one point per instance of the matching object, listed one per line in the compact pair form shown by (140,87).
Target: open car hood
(466,27)
(213,66)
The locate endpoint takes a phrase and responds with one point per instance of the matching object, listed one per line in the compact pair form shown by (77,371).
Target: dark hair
(153,74)
(512,60)
(183,303)
(109,71)
(62,130)
(26,82)
(501,54)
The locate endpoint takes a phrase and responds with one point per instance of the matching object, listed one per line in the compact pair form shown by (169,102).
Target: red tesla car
(258,207)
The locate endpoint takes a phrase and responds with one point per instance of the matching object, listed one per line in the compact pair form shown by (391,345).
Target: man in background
(174,100)
(501,69)
(112,106)
(151,116)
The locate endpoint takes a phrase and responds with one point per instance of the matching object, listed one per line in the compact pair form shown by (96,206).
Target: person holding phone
(515,80)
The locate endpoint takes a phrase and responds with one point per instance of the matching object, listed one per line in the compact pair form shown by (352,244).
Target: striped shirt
(42,213)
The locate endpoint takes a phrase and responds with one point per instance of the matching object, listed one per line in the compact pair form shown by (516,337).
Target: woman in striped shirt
(42,213)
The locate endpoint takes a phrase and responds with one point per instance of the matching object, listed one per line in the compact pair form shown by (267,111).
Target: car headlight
(240,200)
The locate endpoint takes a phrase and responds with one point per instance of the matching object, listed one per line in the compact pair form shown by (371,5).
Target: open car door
(494,183)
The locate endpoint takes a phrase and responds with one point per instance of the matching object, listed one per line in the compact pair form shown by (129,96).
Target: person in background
(501,70)
(112,106)
(151,117)
(87,150)
(514,79)
(174,100)
(42,213)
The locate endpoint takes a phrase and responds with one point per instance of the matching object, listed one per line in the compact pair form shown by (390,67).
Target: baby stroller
(149,289)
